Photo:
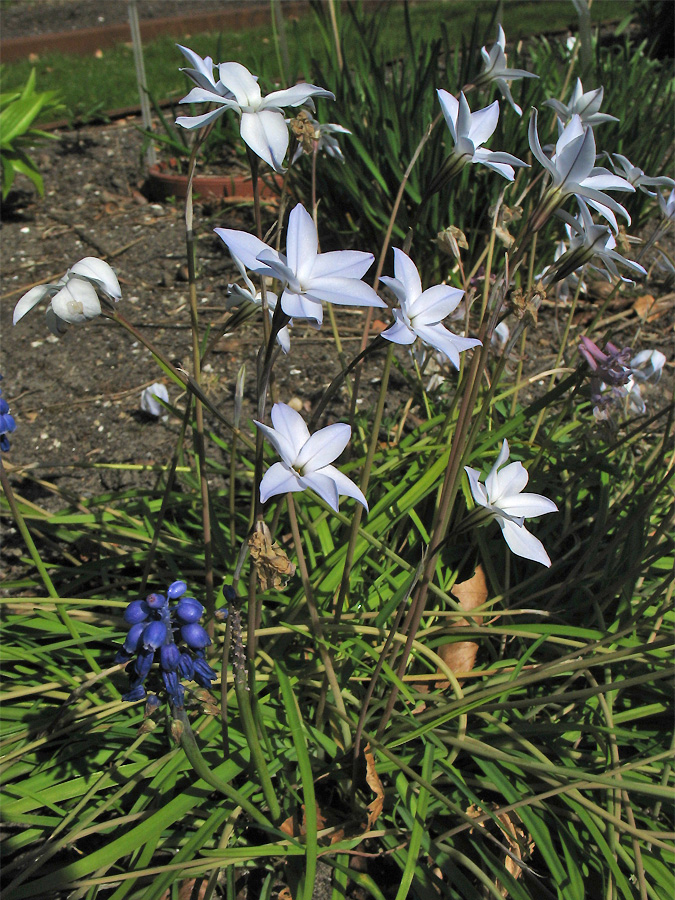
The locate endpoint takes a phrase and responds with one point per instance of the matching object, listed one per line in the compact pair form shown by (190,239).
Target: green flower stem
(316,624)
(201,767)
(365,479)
(166,500)
(197,374)
(251,734)
(42,570)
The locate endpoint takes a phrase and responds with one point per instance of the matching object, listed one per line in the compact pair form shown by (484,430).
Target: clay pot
(232,188)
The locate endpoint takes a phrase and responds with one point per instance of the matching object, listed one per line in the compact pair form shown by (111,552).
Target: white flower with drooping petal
(306,459)
(667,205)
(637,177)
(469,131)
(263,126)
(310,278)
(647,365)
(74,298)
(421,312)
(150,397)
(573,171)
(502,495)
(584,105)
(236,293)
(496,69)
(587,241)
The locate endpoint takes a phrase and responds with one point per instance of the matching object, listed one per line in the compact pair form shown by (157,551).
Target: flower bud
(154,635)
(155,601)
(169,655)
(195,636)
(133,637)
(136,611)
(144,661)
(204,674)
(189,610)
(186,666)
(151,704)
(176,590)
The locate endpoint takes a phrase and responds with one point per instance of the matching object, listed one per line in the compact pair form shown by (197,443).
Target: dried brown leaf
(460,656)
(272,565)
(376,805)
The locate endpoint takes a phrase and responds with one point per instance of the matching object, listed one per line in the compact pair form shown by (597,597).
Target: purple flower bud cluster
(7,423)
(165,628)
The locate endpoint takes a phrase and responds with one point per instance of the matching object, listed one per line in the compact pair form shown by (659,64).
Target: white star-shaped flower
(310,278)
(502,495)
(263,126)
(421,312)
(497,70)
(306,459)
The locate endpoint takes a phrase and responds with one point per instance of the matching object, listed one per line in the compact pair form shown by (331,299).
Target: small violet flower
(573,171)
(420,312)
(502,495)
(7,423)
(75,297)
(637,177)
(263,126)
(469,131)
(150,398)
(584,105)
(497,71)
(309,277)
(306,459)
(171,634)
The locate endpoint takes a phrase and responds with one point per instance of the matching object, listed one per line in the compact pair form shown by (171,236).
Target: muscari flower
(588,241)
(584,105)
(150,398)
(236,293)
(306,459)
(469,131)
(421,312)
(263,126)
(169,633)
(573,171)
(75,297)
(497,71)
(502,495)
(637,177)
(309,277)
(7,423)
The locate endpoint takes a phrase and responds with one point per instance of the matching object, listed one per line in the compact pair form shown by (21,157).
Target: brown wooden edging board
(88,40)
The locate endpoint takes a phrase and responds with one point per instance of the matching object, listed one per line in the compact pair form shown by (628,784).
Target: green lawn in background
(91,84)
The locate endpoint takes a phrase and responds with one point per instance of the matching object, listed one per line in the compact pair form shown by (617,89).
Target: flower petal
(345,485)
(301,243)
(434,304)
(324,486)
(524,544)
(290,424)
(76,302)
(296,95)
(190,123)
(509,481)
(246,247)
(300,306)
(343,291)
(323,447)
(240,82)
(30,299)
(279,479)
(525,504)
(477,489)
(483,123)
(399,332)
(347,263)
(285,448)
(100,273)
(266,133)
(406,272)
(450,110)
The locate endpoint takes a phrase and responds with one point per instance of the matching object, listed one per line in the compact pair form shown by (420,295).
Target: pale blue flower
(496,69)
